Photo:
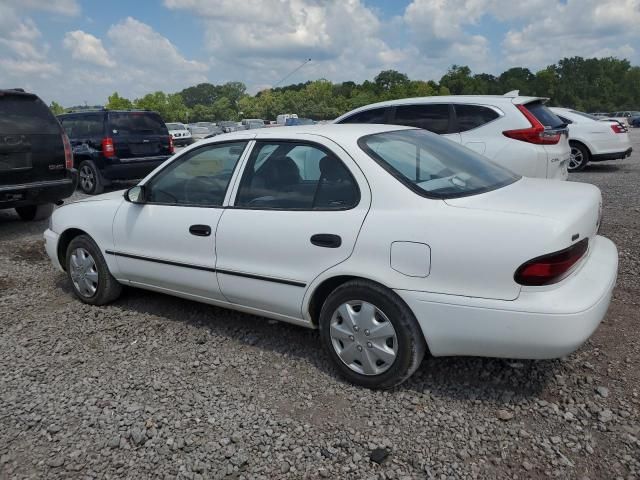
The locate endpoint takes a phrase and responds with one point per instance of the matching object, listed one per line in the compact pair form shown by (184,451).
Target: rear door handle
(200,230)
(326,240)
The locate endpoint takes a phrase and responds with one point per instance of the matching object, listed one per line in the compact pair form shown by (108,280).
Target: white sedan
(593,139)
(391,240)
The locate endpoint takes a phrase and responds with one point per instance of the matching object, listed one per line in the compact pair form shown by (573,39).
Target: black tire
(35,212)
(89,178)
(411,345)
(578,151)
(108,288)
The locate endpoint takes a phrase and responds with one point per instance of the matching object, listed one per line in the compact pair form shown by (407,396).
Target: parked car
(36,163)
(298,121)
(180,134)
(250,123)
(229,126)
(115,145)
(625,116)
(519,133)
(635,122)
(214,131)
(592,140)
(389,239)
(282,118)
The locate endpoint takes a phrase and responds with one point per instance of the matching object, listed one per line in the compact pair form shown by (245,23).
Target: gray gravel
(154,386)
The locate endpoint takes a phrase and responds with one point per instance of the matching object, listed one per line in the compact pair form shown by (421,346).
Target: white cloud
(86,47)
(62,7)
(578,27)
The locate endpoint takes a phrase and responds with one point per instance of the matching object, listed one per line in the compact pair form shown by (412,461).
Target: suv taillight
(107,147)
(172,149)
(536,133)
(68,153)
(551,268)
(617,128)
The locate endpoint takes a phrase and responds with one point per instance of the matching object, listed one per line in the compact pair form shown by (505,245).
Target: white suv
(519,133)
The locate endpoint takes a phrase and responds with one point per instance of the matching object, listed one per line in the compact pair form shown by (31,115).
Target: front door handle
(200,230)
(326,240)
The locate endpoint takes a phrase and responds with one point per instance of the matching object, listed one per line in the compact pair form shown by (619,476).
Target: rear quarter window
(473,116)
(26,115)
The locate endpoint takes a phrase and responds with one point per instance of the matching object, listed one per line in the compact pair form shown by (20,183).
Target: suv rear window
(433,166)
(26,115)
(545,116)
(473,116)
(137,123)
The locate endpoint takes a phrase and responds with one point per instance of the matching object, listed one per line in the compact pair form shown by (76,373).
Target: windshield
(176,126)
(433,166)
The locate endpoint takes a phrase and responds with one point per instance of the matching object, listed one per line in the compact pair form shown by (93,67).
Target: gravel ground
(154,386)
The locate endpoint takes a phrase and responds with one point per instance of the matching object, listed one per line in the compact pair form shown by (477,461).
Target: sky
(76,51)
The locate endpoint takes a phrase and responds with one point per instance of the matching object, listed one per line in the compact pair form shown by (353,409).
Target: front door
(168,242)
(297,212)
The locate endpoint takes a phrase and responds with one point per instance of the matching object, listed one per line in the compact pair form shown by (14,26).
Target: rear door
(435,117)
(31,147)
(557,154)
(85,131)
(138,135)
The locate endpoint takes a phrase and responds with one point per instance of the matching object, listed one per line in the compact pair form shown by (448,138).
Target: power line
(307,60)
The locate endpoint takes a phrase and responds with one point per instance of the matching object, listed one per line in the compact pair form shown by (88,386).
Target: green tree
(56,108)
(458,80)
(116,102)
(390,79)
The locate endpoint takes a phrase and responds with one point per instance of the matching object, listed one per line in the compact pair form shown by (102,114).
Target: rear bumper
(38,193)
(130,169)
(612,156)
(543,322)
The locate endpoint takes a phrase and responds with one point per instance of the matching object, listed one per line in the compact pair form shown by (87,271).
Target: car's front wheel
(579,157)
(89,274)
(371,335)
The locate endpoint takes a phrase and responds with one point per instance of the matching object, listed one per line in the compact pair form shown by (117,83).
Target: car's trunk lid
(574,207)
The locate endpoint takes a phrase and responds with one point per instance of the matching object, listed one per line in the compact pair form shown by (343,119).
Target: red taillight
(536,133)
(617,128)
(172,149)
(107,147)
(68,153)
(551,268)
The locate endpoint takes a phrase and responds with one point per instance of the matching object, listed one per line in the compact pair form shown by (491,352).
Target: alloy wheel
(576,158)
(363,337)
(84,273)
(87,178)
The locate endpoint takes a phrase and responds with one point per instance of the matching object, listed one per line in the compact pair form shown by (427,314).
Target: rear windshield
(26,115)
(433,166)
(137,123)
(545,116)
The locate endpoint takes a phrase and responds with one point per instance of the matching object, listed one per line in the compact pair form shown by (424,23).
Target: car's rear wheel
(35,212)
(579,157)
(371,335)
(90,180)
(89,274)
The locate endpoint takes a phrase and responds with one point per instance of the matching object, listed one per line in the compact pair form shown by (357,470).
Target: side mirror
(137,194)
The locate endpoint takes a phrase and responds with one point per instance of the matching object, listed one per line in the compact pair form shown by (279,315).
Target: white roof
(460,99)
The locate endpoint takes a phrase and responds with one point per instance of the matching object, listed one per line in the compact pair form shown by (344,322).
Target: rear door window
(26,115)
(137,123)
(375,115)
(545,116)
(432,117)
(473,116)
(86,126)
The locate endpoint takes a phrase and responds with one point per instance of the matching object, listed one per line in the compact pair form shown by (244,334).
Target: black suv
(36,164)
(115,145)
